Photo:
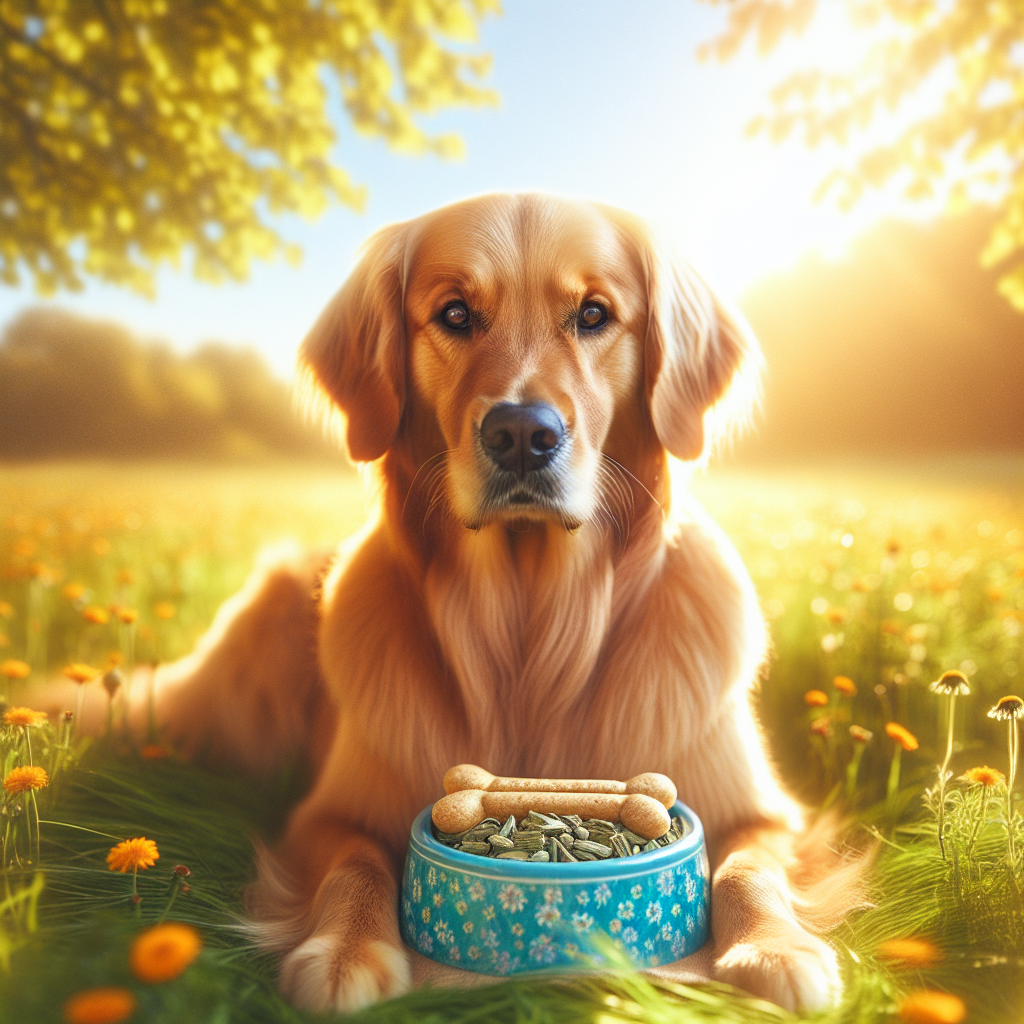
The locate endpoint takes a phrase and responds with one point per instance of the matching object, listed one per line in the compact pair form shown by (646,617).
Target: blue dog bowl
(505,916)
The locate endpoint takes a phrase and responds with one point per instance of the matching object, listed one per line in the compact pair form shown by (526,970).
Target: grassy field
(885,576)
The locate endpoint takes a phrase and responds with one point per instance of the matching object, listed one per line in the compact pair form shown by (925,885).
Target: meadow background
(149,448)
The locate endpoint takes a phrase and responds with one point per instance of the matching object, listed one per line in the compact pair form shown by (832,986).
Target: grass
(885,577)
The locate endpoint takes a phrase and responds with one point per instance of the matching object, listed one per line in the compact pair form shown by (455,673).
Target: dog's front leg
(761,946)
(328,901)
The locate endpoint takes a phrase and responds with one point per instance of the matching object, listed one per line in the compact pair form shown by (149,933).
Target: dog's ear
(702,362)
(353,360)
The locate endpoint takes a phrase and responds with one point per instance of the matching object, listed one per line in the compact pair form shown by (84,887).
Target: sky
(601,99)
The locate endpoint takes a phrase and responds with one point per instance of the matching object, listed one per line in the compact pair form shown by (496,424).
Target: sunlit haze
(599,99)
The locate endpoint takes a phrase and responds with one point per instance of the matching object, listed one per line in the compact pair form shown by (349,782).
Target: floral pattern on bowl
(504,917)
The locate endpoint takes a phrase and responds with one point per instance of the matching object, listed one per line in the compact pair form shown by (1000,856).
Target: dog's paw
(796,971)
(326,973)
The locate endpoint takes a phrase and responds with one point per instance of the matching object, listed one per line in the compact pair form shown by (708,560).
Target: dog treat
(557,837)
(470,776)
(464,809)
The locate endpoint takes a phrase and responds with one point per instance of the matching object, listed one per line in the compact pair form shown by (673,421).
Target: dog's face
(535,342)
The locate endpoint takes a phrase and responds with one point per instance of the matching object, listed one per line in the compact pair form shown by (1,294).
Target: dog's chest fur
(543,663)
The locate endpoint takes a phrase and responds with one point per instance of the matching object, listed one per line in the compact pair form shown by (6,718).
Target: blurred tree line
(71,387)
(901,347)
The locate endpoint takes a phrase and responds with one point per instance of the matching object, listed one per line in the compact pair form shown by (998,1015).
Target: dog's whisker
(637,479)
(412,485)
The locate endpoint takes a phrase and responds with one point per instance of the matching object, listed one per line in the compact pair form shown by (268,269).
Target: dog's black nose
(521,438)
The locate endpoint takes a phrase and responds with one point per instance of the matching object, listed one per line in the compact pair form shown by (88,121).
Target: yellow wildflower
(14,669)
(929,1007)
(845,686)
(96,615)
(904,737)
(107,1005)
(133,854)
(984,775)
(164,951)
(24,778)
(24,717)
(815,699)
(80,673)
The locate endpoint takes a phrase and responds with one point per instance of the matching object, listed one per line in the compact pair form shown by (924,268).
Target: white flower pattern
(654,919)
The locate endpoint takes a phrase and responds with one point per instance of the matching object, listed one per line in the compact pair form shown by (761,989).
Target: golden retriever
(518,370)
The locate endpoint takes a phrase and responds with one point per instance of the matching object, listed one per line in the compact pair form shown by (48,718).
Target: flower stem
(1009,789)
(81,703)
(942,775)
(978,824)
(852,770)
(894,775)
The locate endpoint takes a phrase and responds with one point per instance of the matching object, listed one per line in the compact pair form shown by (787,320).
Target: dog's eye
(456,316)
(591,316)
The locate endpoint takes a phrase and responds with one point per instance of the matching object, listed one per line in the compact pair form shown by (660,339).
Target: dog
(518,371)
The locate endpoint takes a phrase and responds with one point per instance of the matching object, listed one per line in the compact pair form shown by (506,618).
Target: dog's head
(534,342)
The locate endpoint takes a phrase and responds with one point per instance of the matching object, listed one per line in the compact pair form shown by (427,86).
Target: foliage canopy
(134,130)
(973,138)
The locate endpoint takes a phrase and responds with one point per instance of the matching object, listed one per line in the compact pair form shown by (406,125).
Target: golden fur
(602,636)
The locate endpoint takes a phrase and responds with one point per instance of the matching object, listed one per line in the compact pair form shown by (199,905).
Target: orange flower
(73,591)
(815,699)
(910,952)
(845,685)
(860,734)
(892,628)
(164,951)
(836,616)
(133,854)
(96,615)
(928,1007)
(904,737)
(821,726)
(164,610)
(24,717)
(100,1006)
(984,775)
(153,751)
(126,615)
(80,673)
(6,609)
(14,669)
(21,780)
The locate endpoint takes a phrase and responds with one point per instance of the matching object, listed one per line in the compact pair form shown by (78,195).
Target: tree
(972,141)
(133,131)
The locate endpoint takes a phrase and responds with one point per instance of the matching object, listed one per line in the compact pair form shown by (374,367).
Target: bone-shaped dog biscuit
(470,776)
(465,808)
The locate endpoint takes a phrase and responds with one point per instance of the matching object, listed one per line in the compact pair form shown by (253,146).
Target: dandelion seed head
(951,684)
(1008,709)
(821,727)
